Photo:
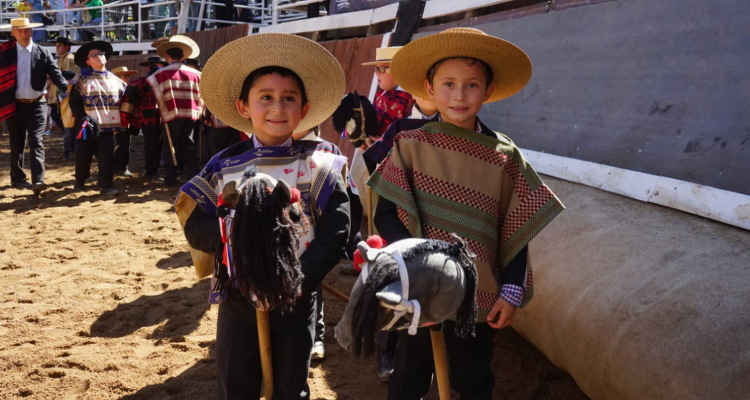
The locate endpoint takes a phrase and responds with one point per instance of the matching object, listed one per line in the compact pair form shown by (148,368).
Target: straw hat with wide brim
(510,65)
(227,69)
(20,23)
(153,60)
(188,46)
(159,41)
(384,55)
(123,71)
(82,54)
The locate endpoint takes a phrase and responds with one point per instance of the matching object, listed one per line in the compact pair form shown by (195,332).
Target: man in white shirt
(34,65)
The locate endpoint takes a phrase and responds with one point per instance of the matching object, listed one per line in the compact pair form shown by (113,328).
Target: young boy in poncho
(455,175)
(255,87)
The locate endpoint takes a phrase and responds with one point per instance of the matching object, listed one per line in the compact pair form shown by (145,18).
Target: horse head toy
(356,117)
(407,284)
(260,219)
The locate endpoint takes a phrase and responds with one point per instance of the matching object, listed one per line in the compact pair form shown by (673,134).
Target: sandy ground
(99,301)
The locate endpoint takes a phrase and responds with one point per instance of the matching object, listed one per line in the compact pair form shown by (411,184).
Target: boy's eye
(473,85)
(289,98)
(266,97)
(448,84)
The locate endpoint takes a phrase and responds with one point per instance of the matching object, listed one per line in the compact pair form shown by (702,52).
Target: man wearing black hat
(24,68)
(65,62)
(95,103)
(138,109)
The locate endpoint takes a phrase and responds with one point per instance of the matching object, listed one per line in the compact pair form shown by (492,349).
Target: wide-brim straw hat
(82,54)
(159,41)
(123,71)
(196,51)
(510,65)
(188,46)
(384,55)
(226,71)
(20,23)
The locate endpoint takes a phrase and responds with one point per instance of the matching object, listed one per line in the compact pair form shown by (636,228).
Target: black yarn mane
(385,272)
(345,112)
(365,318)
(264,243)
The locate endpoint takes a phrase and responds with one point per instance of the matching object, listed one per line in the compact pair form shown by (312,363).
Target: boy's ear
(243,109)
(489,91)
(428,89)
(305,109)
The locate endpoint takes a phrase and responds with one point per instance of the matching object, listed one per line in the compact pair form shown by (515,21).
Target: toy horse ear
(390,295)
(230,194)
(282,193)
(367,252)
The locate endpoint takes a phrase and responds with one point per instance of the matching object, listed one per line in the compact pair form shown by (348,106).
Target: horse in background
(356,117)
(410,283)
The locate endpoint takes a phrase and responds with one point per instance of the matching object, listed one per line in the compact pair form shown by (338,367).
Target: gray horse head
(438,279)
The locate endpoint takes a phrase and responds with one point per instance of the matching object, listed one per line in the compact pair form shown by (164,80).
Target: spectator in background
(36,5)
(142,16)
(225,12)
(244,14)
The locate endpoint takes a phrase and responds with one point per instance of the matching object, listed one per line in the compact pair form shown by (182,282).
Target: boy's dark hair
(175,54)
(488,73)
(260,72)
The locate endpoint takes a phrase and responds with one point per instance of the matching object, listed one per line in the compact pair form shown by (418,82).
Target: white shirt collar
(19,47)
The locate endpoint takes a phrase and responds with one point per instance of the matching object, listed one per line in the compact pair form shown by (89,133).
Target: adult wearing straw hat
(177,92)
(24,68)
(138,110)
(95,103)
(65,62)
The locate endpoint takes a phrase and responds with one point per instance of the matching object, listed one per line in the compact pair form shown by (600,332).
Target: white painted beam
(719,205)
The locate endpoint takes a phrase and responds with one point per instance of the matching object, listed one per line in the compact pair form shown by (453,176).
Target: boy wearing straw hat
(390,102)
(95,104)
(138,110)
(122,148)
(254,86)
(178,96)
(455,175)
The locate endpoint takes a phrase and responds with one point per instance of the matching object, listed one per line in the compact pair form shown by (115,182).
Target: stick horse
(357,119)
(260,220)
(408,284)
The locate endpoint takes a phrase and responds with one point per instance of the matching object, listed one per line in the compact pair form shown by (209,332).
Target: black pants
(355,236)
(29,121)
(320,326)
(122,151)
(104,146)
(183,138)
(152,144)
(468,364)
(55,114)
(238,369)
(221,138)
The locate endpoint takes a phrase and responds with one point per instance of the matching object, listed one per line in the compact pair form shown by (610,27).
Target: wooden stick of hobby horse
(171,146)
(441,364)
(264,342)
(330,289)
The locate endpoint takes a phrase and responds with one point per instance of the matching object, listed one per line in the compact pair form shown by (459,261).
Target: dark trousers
(238,369)
(104,146)
(69,140)
(122,151)
(152,144)
(320,326)
(29,121)
(183,138)
(221,138)
(468,364)
(355,234)
(55,114)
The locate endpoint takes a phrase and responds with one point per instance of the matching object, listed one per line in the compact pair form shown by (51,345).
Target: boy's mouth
(459,109)
(276,121)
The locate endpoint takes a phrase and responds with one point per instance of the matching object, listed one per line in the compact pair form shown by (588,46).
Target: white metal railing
(130,20)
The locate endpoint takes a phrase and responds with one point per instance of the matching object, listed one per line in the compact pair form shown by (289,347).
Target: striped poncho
(445,179)
(101,92)
(177,92)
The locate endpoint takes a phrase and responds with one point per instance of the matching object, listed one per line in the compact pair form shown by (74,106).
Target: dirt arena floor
(98,300)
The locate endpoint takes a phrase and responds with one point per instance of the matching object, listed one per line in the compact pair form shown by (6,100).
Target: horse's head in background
(410,283)
(259,215)
(357,117)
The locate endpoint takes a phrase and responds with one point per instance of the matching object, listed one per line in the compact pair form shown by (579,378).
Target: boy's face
(385,80)
(275,108)
(96,59)
(459,90)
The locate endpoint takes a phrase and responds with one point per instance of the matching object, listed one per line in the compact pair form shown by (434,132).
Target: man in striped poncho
(177,93)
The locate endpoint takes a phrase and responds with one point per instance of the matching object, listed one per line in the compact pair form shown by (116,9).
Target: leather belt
(29,101)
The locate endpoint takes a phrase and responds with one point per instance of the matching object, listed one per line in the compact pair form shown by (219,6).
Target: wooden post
(264,342)
(441,364)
